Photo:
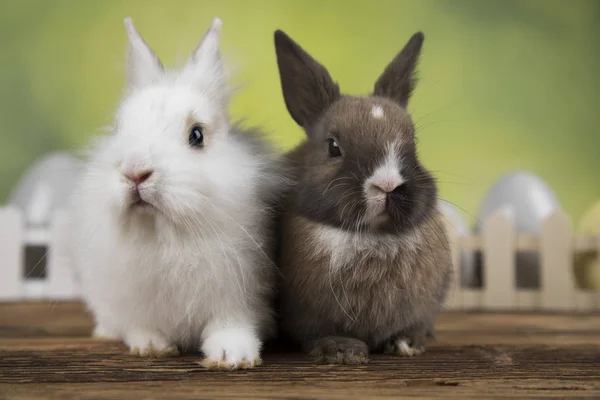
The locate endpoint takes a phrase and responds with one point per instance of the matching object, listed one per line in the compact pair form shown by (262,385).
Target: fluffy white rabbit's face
(170,149)
(166,147)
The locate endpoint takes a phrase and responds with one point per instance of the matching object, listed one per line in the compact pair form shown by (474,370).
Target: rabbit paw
(339,350)
(145,344)
(404,347)
(230,349)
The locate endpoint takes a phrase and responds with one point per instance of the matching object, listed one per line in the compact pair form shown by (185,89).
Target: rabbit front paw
(146,344)
(339,350)
(230,349)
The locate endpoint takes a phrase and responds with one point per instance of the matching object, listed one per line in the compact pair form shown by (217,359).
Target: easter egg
(587,264)
(46,187)
(529,201)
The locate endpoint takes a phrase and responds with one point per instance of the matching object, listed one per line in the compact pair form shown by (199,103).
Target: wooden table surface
(46,352)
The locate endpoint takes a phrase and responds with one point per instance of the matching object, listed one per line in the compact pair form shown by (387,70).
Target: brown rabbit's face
(360,168)
(363,171)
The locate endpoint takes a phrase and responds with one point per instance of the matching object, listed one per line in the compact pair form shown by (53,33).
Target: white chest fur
(344,247)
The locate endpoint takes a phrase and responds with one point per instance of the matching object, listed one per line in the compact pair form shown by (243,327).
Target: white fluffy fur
(343,246)
(191,271)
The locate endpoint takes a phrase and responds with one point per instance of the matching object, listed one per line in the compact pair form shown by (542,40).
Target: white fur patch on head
(377,112)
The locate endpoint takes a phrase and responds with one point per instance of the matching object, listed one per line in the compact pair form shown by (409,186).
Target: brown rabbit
(364,256)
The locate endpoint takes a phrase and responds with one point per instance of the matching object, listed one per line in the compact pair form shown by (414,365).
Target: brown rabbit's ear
(307,86)
(399,78)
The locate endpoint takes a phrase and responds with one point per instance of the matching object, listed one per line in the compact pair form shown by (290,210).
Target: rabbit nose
(138,177)
(387,186)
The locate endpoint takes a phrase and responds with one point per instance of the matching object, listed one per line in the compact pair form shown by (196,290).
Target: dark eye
(196,138)
(334,148)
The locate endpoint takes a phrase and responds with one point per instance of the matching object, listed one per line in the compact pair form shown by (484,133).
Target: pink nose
(386,186)
(138,177)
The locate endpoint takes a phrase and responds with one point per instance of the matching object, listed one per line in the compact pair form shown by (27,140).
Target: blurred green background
(504,85)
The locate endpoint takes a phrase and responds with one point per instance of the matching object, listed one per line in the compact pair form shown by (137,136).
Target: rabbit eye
(196,138)
(334,148)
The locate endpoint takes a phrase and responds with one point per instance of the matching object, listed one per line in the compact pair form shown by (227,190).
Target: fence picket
(498,243)
(62,283)
(11,251)
(557,277)
(499,283)
(528,300)
(596,294)
(453,298)
(472,299)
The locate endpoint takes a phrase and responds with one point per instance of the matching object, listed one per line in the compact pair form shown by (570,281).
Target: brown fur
(348,284)
(384,297)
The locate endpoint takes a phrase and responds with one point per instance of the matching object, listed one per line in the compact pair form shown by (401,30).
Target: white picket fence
(59,282)
(498,244)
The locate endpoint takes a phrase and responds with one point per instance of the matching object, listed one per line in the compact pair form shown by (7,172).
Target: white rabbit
(171,221)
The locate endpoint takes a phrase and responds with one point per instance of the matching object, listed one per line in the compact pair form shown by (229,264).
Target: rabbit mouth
(137,202)
(141,204)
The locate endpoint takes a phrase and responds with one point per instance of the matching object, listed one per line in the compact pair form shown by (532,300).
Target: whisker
(337,179)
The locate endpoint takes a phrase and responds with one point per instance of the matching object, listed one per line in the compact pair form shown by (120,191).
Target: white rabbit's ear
(143,66)
(205,63)
(208,49)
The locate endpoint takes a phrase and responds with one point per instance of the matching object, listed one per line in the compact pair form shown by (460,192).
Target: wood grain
(46,353)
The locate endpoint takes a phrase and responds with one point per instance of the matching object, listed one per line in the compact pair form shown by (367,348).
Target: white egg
(529,201)
(45,187)
(454,218)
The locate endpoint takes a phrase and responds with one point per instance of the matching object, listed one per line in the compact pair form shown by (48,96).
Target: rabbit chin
(380,222)
(376,218)
(143,213)
(142,207)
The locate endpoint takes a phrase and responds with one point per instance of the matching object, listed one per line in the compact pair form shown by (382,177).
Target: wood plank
(70,319)
(46,353)
(104,371)
(44,318)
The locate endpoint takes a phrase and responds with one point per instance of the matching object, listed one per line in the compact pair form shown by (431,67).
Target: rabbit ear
(208,48)
(143,66)
(307,86)
(205,65)
(399,78)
